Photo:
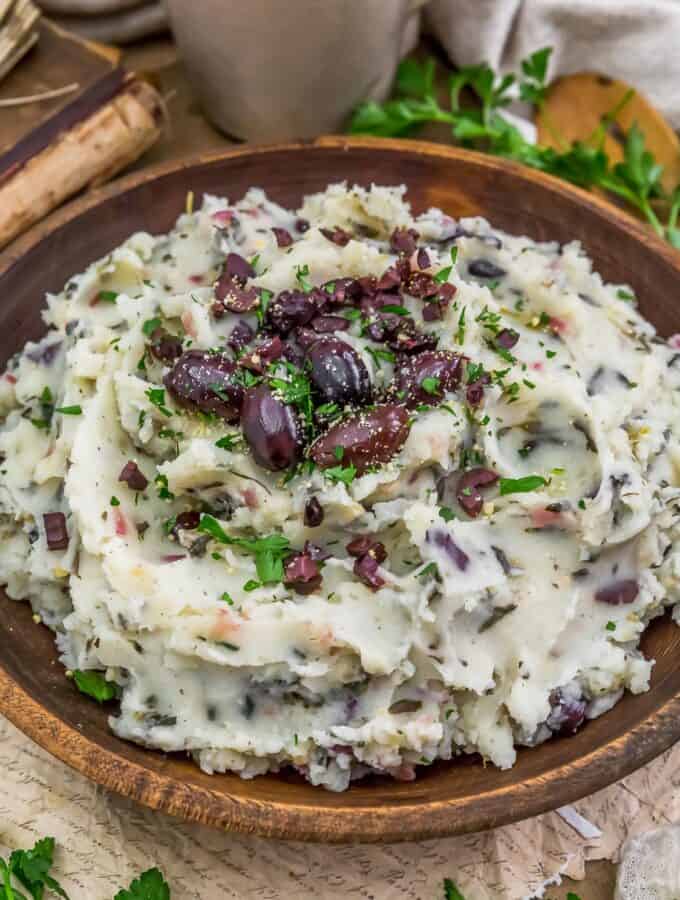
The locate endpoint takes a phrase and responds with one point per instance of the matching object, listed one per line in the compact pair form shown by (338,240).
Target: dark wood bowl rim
(565,784)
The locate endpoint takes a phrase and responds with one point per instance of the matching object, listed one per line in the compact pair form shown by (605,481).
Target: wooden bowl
(447,798)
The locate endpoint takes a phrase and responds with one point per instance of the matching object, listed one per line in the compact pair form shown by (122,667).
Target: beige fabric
(104,841)
(635,40)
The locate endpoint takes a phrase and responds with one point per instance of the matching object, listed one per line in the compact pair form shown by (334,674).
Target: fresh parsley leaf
(229,442)
(520,485)
(31,869)
(107,296)
(75,410)
(226,597)
(95,685)
(625,295)
(451,892)
(301,273)
(161,482)
(46,396)
(533,88)
(251,585)
(150,326)
(460,333)
(572,896)
(611,626)
(396,309)
(265,299)
(446,513)
(269,552)
(346,474)
(149,886)
(115,501)
(429,571)
(430,385)
(157,398)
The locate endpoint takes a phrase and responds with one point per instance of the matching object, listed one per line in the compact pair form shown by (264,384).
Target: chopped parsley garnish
(157,398)
(521,485)
(430,385)
(443,274)
(474,372)
(301,273)
(150,326)
(95,685)
(295,389)
(460,333)
(611,626)
(346,474)
(581,504)
(489,319)
(265,300)
(114,501)
(429,571)
(107,296)
(227,645)
(46,396)
(226,598)
(625,295)
(551,353)
(251,585)
(338,452)
(269,552)
(328,409)
(352,314)
(229,441)
(446,513)
(141,363)
(75,410)
(161,482)
(380,356)
(395,309)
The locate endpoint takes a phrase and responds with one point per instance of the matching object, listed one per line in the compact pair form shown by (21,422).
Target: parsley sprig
(269,552)
(636,179)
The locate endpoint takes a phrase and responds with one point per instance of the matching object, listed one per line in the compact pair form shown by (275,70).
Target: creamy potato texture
(343,489)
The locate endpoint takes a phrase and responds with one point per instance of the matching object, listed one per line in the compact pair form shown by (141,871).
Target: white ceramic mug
(268,70)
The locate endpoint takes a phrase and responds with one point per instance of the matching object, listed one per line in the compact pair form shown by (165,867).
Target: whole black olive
(204,381)
(271,428)
(338,372)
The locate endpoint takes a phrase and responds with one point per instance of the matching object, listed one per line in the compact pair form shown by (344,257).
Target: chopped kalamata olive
(230,294)
(390,279)
(45,352)
(474,392)
(507,338)
(238,267)
(369,438)
(336,236)
(423,259)
(406,338)
(289,310)
(328,324)
(188,520)
(56,534)
(317,553)
(164,346)
(260,357)
(403,240)
(133,476)
(618,592)
(468,492)
(271,428)
(364,544)
(283,237)
(301,572)
(567,714)
(301,225)
(338,372)
(204,381)
(426,377)
(422,285)
(313,513)
(241,335)
(366,569)
(342,291)
(445,541)
(503,560)
(484,268)
(368,285)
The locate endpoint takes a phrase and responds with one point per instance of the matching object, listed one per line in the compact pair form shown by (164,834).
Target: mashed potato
(343,489)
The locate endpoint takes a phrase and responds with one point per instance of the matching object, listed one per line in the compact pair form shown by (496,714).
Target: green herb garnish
(95,685)
(301,273)
(269,552)
(430,385)
(346,474)
(520,485)
(150,326)
(75,410)
(149,886)
(157,398)
(451,892)
(31,869)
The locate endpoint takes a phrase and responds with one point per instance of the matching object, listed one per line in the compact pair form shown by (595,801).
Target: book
(92,120)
